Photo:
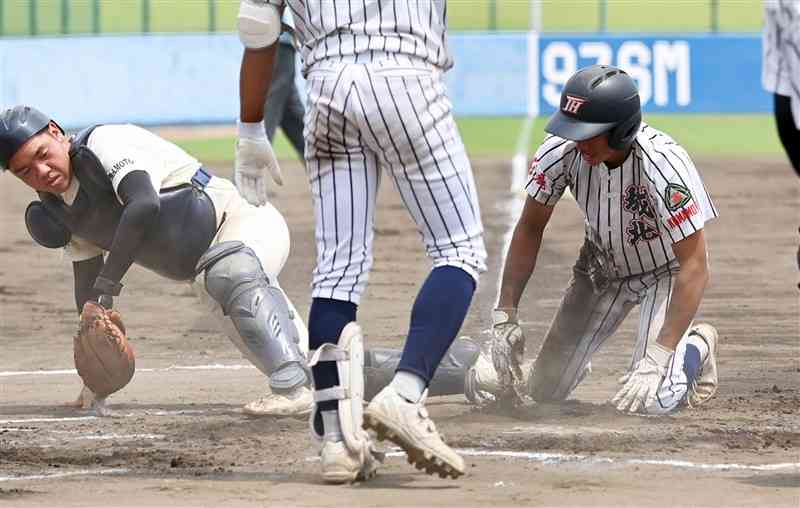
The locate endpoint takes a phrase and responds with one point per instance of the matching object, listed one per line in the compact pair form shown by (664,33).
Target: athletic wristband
(107,286)
(251,130)
(659,354)
(106,301)
(504,315)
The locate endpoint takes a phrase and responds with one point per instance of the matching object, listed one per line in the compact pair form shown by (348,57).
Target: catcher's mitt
(103,357)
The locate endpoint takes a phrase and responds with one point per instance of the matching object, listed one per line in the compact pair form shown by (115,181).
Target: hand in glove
(641,386)
(508,349)
(254,158)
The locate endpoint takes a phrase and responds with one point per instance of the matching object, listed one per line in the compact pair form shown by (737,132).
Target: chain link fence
(68,17)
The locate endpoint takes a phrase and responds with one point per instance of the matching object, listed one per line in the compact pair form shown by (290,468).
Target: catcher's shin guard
(349,357)
(259,310)
(380,365)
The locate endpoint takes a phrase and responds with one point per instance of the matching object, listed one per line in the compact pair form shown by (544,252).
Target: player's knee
(228,266)
(544,389)
(258,24)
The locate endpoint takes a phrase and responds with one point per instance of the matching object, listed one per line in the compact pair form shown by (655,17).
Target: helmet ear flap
(621,136)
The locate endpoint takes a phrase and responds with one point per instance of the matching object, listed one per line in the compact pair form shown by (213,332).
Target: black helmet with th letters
(598,99)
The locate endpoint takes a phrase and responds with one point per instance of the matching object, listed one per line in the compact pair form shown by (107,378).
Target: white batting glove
(254,158)
(641,387)
(508,350)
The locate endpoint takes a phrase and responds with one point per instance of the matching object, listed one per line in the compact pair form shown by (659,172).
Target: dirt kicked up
(179,438)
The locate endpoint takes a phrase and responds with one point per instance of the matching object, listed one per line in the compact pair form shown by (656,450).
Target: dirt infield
(178,437)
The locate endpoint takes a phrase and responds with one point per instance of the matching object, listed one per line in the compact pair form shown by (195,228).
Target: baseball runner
(645,208)
(780,71)
(114,195)
(284,107)
(376,107)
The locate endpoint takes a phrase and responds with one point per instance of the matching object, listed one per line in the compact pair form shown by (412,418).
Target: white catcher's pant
(589,315)
(264,230)
(387,117)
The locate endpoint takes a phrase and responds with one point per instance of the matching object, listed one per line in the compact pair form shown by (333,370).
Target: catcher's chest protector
(186,221)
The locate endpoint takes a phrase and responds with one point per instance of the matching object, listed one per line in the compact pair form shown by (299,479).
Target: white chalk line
(107,437)
(65,474)
(545,458)
(62,372)
(558,459)
(49,420)
(116,414)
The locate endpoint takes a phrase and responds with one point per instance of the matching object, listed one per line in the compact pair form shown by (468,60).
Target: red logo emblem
(533,166)
(541,180)
(573,104)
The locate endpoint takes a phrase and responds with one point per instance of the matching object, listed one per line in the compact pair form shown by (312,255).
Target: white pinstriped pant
(589,315)
(386,116)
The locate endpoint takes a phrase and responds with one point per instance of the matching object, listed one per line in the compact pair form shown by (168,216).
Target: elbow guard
(258,23)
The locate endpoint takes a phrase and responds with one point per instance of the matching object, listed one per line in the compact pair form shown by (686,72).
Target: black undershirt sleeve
(140,212)
(85,272)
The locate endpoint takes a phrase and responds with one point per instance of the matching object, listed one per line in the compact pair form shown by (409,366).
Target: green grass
(724,136)
(559,15)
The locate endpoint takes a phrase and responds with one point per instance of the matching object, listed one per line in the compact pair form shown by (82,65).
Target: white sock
(409,385)
(330,422)
(701,345)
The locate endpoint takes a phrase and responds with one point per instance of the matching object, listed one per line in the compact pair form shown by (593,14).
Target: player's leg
(239,272)
(422,152)
(788,131)
(380,365)
(692,373)
(586,318)
(343,178)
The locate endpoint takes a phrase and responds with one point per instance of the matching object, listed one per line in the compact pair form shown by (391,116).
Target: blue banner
(193,78)
(675,74)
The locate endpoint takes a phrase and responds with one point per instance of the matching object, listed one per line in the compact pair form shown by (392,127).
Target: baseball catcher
(114,195)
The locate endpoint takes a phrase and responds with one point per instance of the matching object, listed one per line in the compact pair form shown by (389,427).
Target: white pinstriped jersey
(635,212)
(780,70)
(356,30)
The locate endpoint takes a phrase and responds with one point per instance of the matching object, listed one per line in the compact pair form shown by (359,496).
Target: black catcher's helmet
(18,125)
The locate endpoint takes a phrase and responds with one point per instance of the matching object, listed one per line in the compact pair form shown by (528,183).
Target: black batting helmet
(598,99)
(18,125)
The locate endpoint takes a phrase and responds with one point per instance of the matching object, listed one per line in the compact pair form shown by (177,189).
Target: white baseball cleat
(705,385)
(297,402)
(408,425)
(340,465)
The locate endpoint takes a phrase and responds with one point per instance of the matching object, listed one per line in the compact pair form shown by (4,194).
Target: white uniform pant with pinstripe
(385,117)
(591,311)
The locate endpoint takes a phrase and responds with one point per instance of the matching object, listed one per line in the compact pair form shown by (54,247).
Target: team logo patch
(573,104)
(642,227)
(675,196)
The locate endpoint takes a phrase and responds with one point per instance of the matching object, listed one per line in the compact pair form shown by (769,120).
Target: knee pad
(258,24)
(349,357)
(259,311)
